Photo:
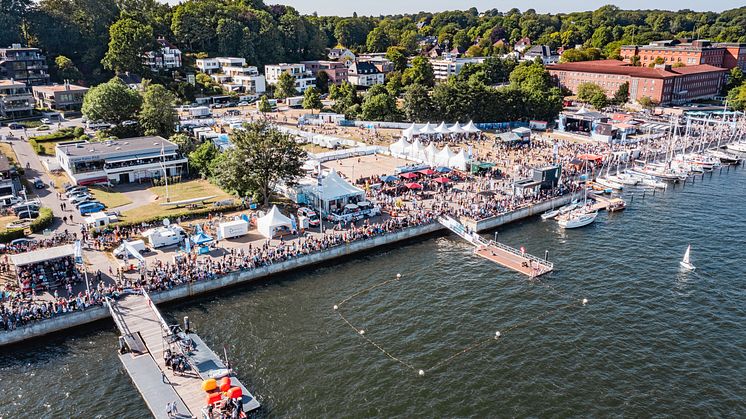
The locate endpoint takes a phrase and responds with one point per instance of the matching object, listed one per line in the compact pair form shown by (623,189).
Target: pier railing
(541,262)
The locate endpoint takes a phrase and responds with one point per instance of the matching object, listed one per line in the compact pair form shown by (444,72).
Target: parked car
(46,121)
(34,205)
(243,103)
(21,241)
(38,183)
(28,214)
(77,199)
(91,207)
(72,189)
(9,200)
(90,200)
(313,216)
(13,125)
(73,193)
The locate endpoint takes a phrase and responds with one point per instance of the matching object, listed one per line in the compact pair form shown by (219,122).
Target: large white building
(16,99)
(303,78)
(234,75)
(216,64)
(166,57)
(365,74)
(120,161)
(451,67)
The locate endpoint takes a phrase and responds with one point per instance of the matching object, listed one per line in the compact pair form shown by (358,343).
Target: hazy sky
(385,7)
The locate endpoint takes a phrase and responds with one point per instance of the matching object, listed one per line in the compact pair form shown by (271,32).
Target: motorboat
(577,219)
(616,204)
(567,208)
(648,181)
(685,263)
(608,183)
(550,214)
(725,158)
(624,179)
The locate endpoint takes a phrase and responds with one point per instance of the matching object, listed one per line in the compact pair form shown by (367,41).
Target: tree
(474,51)
(621,96)
(262,157)
(128,41)
(200,159)
(735,79)
(397,58)
(599,100)
(322,81)
(312,99)
(379,105)
(421,72)
(377,40)
(66,69)
(264,105)
(587,90)
(737,98)
(185,142)
(418,106)
(647,103)
(635,60)
(112,102)
(157,116)
(285,86)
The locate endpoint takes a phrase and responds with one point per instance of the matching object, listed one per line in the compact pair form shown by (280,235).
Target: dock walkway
(146,337)
(499,253)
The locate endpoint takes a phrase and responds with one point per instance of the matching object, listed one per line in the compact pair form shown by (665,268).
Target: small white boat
(609,183)
(685,263)
(578,219)
(739,147)
(624,179)
(550,214)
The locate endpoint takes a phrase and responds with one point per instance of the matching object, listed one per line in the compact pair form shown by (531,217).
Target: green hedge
(61,135)
(11,234)
(185,215)
(44,220)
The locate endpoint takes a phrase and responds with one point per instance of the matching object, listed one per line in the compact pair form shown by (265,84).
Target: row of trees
(113,102)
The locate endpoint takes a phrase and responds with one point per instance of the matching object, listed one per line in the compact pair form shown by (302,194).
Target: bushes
(44,220)
(61,135)
(11,234)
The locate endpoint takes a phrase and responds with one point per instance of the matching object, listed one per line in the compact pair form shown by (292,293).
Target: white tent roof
(41,255)
(442,128)
(459,160)
(334,187)
(409,132)
(444,156)
(431,151)
(271,221)
(400,146)
(456,129)
(417,150)
(428,129)
(470,127)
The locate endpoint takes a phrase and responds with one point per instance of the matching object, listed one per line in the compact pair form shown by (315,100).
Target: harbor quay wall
(181,292)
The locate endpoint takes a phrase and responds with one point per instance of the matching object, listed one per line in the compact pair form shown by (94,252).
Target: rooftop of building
(622,68)
(60,88)
(4,163)
(11,83)
(126,145)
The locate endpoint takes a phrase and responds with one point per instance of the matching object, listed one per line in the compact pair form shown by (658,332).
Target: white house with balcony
(246,80)
(216,64)
(365,74)
(16,99)
(443,69)
(166,57)
(126,160)
(303,78)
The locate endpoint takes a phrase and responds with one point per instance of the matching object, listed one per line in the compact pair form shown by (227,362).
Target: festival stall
(459,161)
(271,222)
(334,193)
(443,157)
(400,146)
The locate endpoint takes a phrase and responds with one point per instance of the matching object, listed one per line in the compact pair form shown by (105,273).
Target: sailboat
(685,263)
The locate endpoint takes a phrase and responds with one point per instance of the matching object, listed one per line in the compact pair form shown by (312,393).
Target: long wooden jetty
(145,339)
(499,253)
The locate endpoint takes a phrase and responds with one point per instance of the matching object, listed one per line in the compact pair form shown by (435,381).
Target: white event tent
(334,193)
(430,152)
(417,150)
(399,147)
(471,128)
(460,160)
(443,157)
(442,129)
(271,222)
(428,129)
(456,129)
(410,132)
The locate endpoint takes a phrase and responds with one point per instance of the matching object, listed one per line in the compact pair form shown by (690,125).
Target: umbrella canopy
(389,178)
(593,157)
(442,128)
(408,175)
(428,129)
(456,129)
(442,179)
(413,185)
(442,169)
(470,127)
(428,172)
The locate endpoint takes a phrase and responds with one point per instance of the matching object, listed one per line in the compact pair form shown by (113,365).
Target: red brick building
(337,71)
(662,84)
(725,55)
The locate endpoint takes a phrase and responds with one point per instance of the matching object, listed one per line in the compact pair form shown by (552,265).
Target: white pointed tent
(271,222)
(443,157)
(417,150)
(400,146)
(471,128)
(334,192)
(428,129)
(460,160)
(442,129)
(430,152)
(410,132)
(456,129)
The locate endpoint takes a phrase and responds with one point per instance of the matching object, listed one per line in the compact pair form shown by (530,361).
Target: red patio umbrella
(408,175)
(442,180)
(428,172)
(592,157)
(413,185)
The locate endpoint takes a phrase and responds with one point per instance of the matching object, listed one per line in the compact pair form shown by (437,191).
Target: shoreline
(182,292)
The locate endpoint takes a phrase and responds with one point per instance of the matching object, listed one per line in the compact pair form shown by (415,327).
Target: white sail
(686,255)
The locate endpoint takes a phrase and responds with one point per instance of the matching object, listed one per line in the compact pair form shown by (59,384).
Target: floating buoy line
(495,338)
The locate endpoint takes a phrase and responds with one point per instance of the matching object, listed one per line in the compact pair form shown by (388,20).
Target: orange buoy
(213,398)
(225,387)
(209,384)
(225,380)
(234,393)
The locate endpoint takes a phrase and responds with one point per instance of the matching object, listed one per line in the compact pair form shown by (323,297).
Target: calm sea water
(652,341)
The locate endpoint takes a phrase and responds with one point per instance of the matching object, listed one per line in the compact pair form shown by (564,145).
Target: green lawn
(110,198)
(177,192)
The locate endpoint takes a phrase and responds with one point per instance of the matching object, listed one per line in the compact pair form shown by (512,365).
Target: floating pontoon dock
(145,338)
(499,253)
